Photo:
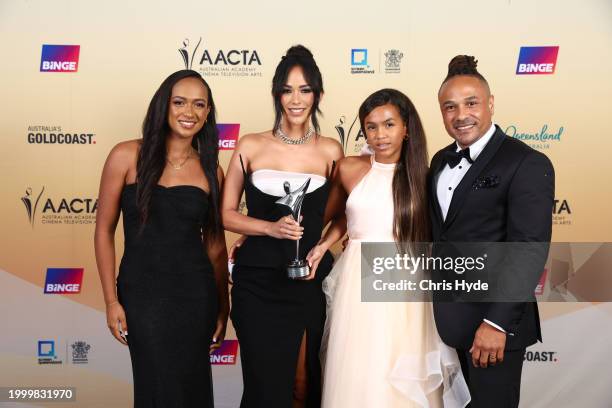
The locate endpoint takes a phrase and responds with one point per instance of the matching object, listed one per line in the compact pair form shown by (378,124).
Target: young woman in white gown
(382,354)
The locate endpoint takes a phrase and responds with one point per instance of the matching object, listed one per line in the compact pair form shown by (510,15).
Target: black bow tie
(453,158)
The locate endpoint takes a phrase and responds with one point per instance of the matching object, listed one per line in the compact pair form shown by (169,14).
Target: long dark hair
(298,55)
(152,155)
(410,211)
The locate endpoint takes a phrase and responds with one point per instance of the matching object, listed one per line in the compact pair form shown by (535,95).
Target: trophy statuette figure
(297,268)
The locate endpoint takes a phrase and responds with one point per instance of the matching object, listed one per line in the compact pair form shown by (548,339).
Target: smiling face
(385,131)
(297,98)
(188,107)
(467,107)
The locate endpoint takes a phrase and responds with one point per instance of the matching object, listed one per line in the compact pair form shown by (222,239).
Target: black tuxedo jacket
(518,208)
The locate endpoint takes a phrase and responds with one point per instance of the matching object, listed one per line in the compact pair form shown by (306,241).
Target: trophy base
(298,270)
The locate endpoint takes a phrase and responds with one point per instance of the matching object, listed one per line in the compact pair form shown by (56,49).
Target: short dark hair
(298,55)
(464,65)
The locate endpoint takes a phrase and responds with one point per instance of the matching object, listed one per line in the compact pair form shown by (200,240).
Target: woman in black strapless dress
(279,321)
(172,283)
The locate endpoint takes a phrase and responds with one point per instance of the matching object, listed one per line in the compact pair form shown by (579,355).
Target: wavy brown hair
(410,211)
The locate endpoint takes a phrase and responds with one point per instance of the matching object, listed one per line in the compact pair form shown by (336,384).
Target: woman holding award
(383,354)
(278,315)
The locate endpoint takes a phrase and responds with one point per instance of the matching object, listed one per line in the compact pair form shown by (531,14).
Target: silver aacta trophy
(298,268)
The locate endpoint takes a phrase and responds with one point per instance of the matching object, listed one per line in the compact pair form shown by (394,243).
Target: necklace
(180,165)
(286,139)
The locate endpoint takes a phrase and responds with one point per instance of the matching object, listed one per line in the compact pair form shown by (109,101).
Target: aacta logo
(59,58)
(30,201)
(75,210)
(226,354)
(228,135)
(561,207)
(221,57)
(345,134)
(64,280)
(537,60)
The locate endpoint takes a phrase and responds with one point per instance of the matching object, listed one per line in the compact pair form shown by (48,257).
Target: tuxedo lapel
(465,186)
(436,168)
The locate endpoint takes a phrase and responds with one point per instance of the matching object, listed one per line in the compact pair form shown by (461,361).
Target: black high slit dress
(271,312)
(167,287)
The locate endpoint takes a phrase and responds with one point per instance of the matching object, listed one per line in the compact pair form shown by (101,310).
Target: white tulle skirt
(383,354)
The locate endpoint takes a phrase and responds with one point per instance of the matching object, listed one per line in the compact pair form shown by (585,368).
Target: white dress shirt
(449,179)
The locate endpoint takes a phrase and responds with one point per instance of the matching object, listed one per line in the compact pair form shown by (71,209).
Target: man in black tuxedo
(487,187)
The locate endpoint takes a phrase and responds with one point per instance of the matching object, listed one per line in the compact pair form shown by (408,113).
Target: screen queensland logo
(60,58)
(228,135)
(537,60)
(359,61)
(63,281)
(226,354)
(220,62)
(46,352)
(72,210)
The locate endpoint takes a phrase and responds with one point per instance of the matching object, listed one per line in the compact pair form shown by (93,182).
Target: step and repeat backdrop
(77,77)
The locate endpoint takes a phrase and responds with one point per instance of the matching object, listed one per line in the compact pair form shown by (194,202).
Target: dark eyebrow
(471,98)
(301,86)
(195,100)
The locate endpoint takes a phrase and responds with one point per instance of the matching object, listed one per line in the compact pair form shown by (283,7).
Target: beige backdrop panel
(128,48)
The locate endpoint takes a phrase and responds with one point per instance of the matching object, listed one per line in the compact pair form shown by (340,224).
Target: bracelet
(112,303)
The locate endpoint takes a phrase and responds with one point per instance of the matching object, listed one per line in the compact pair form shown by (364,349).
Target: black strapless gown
(271,312)
(167,287)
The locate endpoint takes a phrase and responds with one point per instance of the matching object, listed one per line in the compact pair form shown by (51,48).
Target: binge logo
(539,290)
(59,58)
(228,135)
(537,60)
(226,354)
(46,352)
(64,280)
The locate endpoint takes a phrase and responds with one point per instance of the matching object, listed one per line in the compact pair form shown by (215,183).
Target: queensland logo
(60,58)
(228,135)
(63,210)
(221,62)
(42,134)
(63,281)
(46,352)
(80,352)
(539,139)
(226,354)
(359,61)
(537,60)
(541,356)
(354,134)
(562,212)
(393,59)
